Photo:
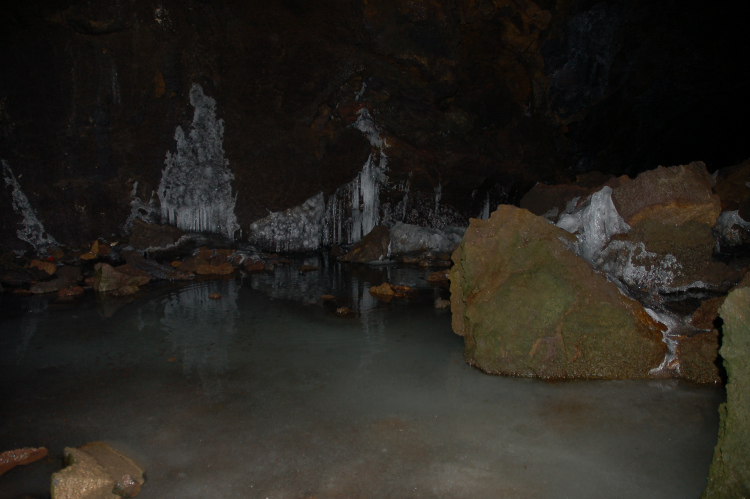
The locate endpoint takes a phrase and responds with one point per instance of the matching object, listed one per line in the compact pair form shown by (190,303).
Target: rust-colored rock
(307,268)
(214,296)
(70,292)
(109,279)
(526,305)
(383,290)
(27,455)
(49,267)
(207,269)
(698,356)
(439,277)
(344,312)
(674,195)
(255,266)
(328,298)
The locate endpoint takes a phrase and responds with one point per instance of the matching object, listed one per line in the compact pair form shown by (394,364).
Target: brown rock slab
(526,305)
(698,355)
(18,457)
(372,248)
(673,195)
(439,277)
(383,290)
(214,296)
(731,185)
(110,279)
(345,312)
(307,268)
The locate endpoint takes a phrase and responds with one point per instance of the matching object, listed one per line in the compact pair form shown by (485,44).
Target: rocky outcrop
(729,475)
(145,236)
(122,280)
(96,471)
(372,248)
(527,305)
(408,238)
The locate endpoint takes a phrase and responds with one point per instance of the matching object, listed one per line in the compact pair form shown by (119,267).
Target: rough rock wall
(476,100)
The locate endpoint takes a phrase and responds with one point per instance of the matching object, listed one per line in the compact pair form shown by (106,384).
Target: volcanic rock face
(729,475)
(526,305)
(473,102)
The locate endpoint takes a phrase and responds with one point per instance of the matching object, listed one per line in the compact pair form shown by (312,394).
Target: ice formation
(595,224)
(620,260)
(296,229)
(354,209)
(195,190)
(147,212)
(407,238)
(32,231)
(485,215)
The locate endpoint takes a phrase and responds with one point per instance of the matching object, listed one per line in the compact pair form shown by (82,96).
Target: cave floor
(265,393)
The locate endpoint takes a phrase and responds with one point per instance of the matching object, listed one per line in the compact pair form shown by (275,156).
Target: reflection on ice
(202,329)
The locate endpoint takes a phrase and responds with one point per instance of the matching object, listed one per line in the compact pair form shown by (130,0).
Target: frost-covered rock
(195,190)
(297,229)
(661,258)
(32,231)
(731,230)
(407,238)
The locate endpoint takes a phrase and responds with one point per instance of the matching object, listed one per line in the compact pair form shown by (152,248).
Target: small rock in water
(440,303)
(328,298)
(439,277)
(307,268)
(384,289)
(344,312)
(215,296)
(27,455)
(255,266)
(223,269)
(96,471)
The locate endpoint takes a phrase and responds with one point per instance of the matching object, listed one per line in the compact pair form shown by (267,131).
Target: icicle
(32,231)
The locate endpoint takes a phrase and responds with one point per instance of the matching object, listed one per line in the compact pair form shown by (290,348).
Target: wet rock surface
(18,457)
(526,305)
(372,248)
(729,475)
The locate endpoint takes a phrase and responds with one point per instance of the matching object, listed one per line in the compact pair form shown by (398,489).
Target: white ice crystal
(594,224)
(32,231)
(729,229)
(293,230)
(195,190)
(140,209)
(618,261)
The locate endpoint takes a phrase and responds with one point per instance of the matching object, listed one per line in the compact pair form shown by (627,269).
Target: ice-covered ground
(264,394)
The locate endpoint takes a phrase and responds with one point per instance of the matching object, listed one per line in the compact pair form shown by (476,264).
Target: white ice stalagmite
(195,190)
(594,224)
(485,215)
(294,230)
(32,231)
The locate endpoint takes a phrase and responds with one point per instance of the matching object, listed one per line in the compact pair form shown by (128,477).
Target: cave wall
(476,99)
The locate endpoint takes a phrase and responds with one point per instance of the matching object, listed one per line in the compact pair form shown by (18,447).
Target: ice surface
(32,231)
(195,190)
(297,229)
(407,238)
(257,396)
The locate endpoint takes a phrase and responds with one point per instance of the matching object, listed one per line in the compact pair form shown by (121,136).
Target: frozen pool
(265,393)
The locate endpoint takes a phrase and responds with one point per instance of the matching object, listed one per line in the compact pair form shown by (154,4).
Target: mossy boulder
(526,305)
(729,475)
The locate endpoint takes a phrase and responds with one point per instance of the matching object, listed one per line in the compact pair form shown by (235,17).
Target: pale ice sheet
(256,396)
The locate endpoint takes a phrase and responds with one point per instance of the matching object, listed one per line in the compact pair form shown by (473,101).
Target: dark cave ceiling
(479,98)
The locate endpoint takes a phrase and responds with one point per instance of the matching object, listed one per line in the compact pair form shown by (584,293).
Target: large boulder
(729,475)
(673,195)
(527,305)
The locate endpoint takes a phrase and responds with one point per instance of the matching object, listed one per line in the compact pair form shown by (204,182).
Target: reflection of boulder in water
(202,329)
